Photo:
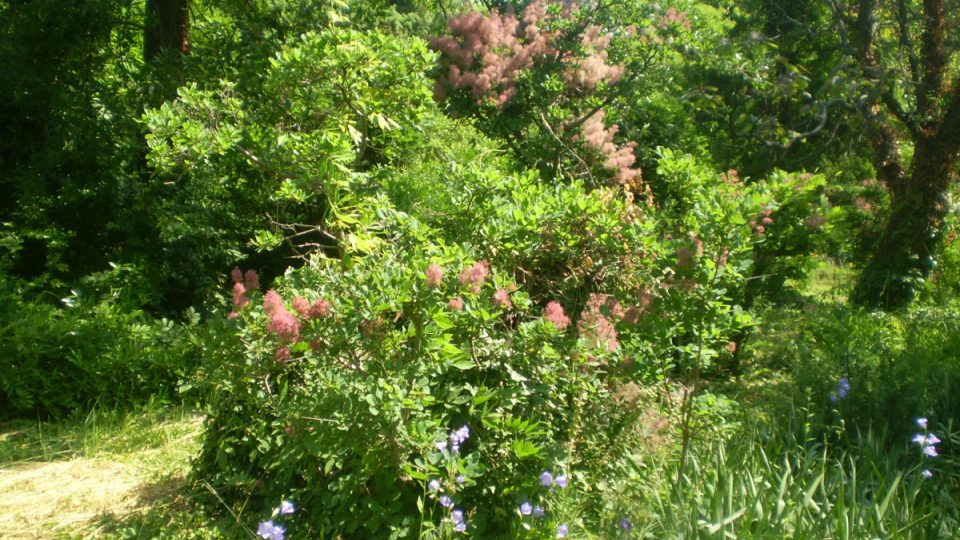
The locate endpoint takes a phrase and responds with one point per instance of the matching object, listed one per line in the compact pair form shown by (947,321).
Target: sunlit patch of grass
(67,479)
(830,282)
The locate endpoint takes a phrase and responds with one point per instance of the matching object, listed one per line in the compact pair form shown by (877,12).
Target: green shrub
(345,419)
(93,348)
(340,406)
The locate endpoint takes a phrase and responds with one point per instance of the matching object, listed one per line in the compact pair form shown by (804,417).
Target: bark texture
(166,28)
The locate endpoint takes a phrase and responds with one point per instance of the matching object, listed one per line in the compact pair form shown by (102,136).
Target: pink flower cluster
(433,276)
(488,53)
(687,254)
(241,284)
(585,73)
(619,160)
(760,228)
(595,327)
(502,298)
(473,276)
(282,322)
(673,17)
(554,313)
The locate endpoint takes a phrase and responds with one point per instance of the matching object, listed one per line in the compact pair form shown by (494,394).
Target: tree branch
(862,52)
(903,20)
(933,56)
(824,115)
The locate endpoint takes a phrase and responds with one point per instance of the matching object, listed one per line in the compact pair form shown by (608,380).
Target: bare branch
(824,115)
(572,152)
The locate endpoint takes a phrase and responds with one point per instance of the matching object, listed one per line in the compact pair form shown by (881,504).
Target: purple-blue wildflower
(927,442)
(625,524)
(446,501)
(562,530)
(460,435)
(843,387)
(459,523)
(461,479)
(434,485)
(441,446)
(287,508)
(561,480)
(526,508)
(922,422)
(270,531)
(539,512)
(926,473)
(546,479)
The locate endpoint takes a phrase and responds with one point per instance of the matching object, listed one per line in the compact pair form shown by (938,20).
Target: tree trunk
(166,27)
(904,255)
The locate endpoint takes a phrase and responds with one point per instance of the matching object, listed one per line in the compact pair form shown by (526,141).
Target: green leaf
(523,448)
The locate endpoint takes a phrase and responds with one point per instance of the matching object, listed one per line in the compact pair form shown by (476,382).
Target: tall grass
(783,484)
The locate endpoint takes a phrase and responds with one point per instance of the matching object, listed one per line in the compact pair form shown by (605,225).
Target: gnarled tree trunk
(926,114)
(904,254)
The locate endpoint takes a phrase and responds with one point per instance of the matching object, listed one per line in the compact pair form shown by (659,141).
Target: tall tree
(910,102)
(166,27)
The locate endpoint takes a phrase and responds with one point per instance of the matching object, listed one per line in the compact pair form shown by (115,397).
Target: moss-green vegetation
(500,269)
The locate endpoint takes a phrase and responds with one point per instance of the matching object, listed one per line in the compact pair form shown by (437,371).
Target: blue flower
(270,531)
(546,479)
(561,480)
(460,435)
(843,387)
(625,524)
(526,508)
(446,501)
(539,512)
(926,473)
(287,508)
(461,478)
(459,523)
(456,439)
(927,443)
(562,530)
(922,422)
(434,485)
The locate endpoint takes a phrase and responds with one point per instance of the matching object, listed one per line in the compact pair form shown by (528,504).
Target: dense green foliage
(481,242)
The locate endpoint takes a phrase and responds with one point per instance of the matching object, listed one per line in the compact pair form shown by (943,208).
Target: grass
(68,479)
(786,483)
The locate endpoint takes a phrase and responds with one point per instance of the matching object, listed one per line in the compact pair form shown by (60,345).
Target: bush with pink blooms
(528,321)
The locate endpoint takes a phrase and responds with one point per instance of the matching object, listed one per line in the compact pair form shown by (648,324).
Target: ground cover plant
(498,269)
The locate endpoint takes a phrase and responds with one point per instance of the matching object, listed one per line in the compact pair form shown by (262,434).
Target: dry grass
(43,500)
(125,464)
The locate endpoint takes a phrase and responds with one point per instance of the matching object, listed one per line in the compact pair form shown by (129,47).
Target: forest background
(503,269)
